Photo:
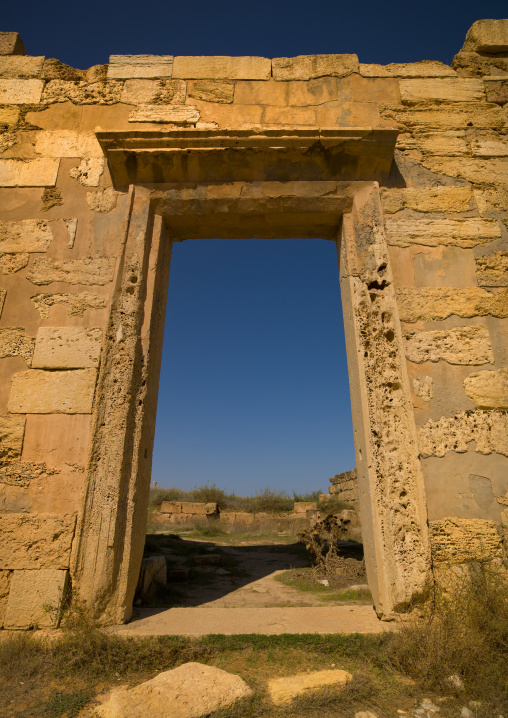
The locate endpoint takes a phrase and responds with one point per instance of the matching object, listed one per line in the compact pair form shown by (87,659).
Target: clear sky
(254,388)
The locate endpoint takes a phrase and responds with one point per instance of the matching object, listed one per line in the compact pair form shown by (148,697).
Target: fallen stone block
(284,690)
(189,691)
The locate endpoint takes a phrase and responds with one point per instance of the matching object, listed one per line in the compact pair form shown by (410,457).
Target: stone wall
(344,487)
(84,263)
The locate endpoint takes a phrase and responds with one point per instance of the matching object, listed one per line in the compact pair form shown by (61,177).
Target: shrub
(272,502)
(209,494)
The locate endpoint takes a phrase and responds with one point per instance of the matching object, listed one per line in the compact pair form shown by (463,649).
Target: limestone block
(221,91)
(307,67)
(492,271)
(479,171)
(52,392)
(174,114)
(171,507)
(12,430)
(449,143)
(426,68)
(489,36)
(11,44)
(493,197)
(467,232)
(222,68)
(489,147)
(12,263)
(153,571)
(457,89)
(78,304)
(21,473)
(473,64)
(29,541)
(102,200)
(456,540)
(496,90)
(88,172)
(5,583)
(427,199)
(284,690)
(302,506)
(437,303)
(189,691)
(91,270)
(3,292)
(192,507)
(126,66)
(146,92)
(9,115)
(488,429)
(459,345)
(488,389)
(55,70)
(26,235)
(12,66)
(67,348)
(29,173)
(35,598)
(83,93)
(20,92)
(448,116)
(15,342)
(67,143)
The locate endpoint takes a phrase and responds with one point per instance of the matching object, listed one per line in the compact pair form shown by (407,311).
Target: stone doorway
(188,184)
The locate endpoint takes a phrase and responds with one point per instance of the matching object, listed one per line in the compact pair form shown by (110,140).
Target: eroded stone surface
(174,114)
(487,36)
(428,303)
(146,92)
(30,541)
(5,582)
(20,473)
(448,232)
(427,68)
(15,342)
(456,540)
(67,348)
(27,235)
(20,66)
(284,690)
(488,389)
(423,387)
(427,199)
(460,89)
(52,392)
(488,429)
(307,67)
(492,270)
(212,90)
(12,263)
(222,68)
(189,691)
(28,173)
(78,303)
(12,429)
(102,200)
(127,66)
(35,598)
(459,345)
(88,172)
(20,92)
(92,270)
(83,93)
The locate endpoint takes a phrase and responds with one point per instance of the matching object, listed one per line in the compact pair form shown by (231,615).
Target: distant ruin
(404,166)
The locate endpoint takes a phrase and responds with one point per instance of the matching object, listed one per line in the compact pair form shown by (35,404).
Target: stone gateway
(403,166)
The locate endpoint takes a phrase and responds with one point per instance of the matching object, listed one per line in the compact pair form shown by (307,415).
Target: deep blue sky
(254,388)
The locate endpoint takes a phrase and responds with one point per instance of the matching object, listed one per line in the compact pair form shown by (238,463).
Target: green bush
(209,494)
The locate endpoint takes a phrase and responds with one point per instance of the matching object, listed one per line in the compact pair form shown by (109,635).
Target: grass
(303,579)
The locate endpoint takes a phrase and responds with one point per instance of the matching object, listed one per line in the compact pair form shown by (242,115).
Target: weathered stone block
(448,116)
(29,173)
(88,172)
(3,292)
(496,90)
(9,116)
(448,143)
(26,235)
(426,68)
(67,348)
(222,68)
(488,429)
(67,143)
(12,430)
(307,67)
(467,232)
(455,540)
(15,342)
(488,389)
(458,89)
(20,92)
(492,271)
(221,91)
(11,44)
(21,473)
(302,506)
(12,263)
(436,303)
(17,66)
(487,36)
(102,200)
(55,70)
(284,690)
(146,92)
(78,304)
(29,541)
(471,169)
(427,199)
(171,507)
(52,392)
(83,93)
(5,582)
(35,598)
(92,270)
(460,345)
(126,66)
(489,147)
(174,114)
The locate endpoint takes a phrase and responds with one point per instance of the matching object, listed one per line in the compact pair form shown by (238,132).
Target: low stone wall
(183,512)
(345,487)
